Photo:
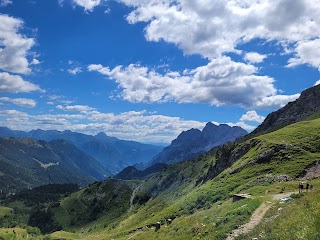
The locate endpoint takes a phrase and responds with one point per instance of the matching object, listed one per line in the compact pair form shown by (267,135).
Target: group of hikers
(308,186)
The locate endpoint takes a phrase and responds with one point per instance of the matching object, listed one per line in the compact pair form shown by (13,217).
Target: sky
(146,70)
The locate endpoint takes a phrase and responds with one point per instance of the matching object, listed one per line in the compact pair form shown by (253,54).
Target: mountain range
(26,162)
(112,153)
(192,143)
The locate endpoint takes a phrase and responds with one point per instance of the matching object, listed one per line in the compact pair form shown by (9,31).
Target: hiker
(311,186)
(157,225)
(307,186)
(300,187)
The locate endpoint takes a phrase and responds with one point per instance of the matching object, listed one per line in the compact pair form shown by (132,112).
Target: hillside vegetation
(195,194)
(26,163)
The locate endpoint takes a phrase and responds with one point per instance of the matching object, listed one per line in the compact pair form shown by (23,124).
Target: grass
(64,235)
(97,206)
(293,149)
(5,211)
(21,233)
(298,219)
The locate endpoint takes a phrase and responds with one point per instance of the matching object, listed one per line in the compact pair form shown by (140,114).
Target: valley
(191,199)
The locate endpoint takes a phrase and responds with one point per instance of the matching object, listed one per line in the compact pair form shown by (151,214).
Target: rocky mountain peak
(191,134)
(307,104)
(194,142)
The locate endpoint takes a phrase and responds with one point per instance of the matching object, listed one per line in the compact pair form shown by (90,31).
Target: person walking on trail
(311,186)
(300,187)
(307,187)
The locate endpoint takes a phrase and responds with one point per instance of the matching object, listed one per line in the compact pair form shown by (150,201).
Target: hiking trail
(257,216)
(133,196)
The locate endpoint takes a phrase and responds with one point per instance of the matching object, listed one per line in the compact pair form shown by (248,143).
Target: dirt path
(256,217)
(133,195)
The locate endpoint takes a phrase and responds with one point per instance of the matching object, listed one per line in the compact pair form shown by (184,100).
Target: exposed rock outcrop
(307,104)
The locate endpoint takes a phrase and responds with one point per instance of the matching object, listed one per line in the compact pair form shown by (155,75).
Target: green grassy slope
(298,219)
(98,205)
(264,160)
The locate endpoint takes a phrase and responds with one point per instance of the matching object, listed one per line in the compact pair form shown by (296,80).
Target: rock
(307,104)
(192,143)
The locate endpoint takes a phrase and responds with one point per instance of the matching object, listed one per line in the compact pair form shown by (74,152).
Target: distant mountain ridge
(26,162)
(193,142)
(307,104)
(112,153)
(131,172)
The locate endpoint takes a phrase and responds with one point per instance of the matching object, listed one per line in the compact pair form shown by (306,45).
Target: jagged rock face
(307,104)
(192,143)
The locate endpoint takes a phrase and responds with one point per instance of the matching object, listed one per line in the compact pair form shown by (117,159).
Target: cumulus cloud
(14,84)
(22,102)
(220,82)
(14,46)
(244,125)
(88,5)
(214,27)
(35,62)
(75,70)
(317,83)
(252,116)
(307,52)
(276,101)
(254,57)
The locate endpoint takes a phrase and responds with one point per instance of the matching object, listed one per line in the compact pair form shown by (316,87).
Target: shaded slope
(133,173)
(106,201)
(112,153)
(28,163)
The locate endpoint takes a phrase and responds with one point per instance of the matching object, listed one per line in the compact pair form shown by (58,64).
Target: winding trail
(133,195)
(256,217)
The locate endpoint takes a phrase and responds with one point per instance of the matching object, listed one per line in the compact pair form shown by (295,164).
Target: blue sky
(147,70)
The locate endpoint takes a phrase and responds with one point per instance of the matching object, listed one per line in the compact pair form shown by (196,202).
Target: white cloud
(75,71)
(75,108)
(14,46)
(276,101)
(35,62)
(220,82)
(88,5)
(4,3)
(307,52)
(243,125)
(317,83)
(214,27)
(23,102)
(254,57)
(252,116)
(14,84)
